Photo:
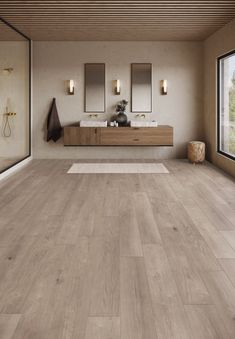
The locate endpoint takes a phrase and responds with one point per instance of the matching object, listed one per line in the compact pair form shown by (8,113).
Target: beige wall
(218,44)
(178,62)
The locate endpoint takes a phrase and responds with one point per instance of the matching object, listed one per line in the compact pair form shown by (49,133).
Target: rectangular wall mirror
(14,96)
(94,88)
(141,87)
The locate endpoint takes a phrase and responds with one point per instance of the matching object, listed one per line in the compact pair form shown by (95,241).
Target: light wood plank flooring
(7,162)
(117,256)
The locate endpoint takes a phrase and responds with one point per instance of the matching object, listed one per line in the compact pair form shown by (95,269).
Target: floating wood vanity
(118,136)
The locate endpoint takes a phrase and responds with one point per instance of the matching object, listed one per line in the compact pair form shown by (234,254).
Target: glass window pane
(14,97)
(227,105)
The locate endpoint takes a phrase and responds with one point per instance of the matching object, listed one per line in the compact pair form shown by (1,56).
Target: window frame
(219,59)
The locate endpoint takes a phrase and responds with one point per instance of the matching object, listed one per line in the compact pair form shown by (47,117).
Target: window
(226,105)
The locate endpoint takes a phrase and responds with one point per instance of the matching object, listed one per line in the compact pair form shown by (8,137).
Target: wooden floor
(7,162)
(117,256)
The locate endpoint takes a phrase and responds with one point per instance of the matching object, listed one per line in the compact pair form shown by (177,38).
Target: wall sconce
(164,87)
(117,87)
(7,71)
(71,87)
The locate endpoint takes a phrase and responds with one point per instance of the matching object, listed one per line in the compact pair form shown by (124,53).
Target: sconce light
(117,87)
(7,71)
(70,87)
(164,87)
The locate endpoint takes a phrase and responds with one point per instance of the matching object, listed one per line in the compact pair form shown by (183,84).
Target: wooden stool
(196,152)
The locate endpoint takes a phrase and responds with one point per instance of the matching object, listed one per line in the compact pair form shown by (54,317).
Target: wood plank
(197,248)
(117,20)
(218,245)
(228,266)
(103,328)
(144,215)
(19,265)
(217,210)
(172,322)
(130,241)
(106,228)
(111,202)
(62,278)
(137,318)
(230,237)
(168,309)
(190,284)
(205,322)
(161,280)
(223,296)
(8,324)
(105,270)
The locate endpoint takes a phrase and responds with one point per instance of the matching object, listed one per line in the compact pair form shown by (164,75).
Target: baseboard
(15,168)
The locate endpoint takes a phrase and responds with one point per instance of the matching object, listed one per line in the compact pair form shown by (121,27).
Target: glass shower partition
(15,96)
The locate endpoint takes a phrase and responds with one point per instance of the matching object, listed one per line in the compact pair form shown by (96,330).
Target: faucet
(93,115)
(142,116)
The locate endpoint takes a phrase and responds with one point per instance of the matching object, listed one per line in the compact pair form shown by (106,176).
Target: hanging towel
(54,129)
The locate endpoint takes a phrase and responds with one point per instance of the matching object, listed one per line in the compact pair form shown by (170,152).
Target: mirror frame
(85,101)
(151,69)
(30,98)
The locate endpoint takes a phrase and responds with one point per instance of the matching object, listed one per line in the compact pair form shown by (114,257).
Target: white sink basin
(87,123)
(137,123)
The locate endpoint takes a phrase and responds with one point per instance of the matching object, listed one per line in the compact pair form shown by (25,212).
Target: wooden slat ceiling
(118,19)
(8,34)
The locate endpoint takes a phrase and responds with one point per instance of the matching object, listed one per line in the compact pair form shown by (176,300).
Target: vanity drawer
(81,136)
(159,136)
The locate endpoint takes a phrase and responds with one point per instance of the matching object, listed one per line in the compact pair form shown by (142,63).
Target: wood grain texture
(168,308)
(118,19)
(8,324)
(205,322)
(20,263)
(137,317)
(105,273)
(158,136)
(214,239)
(51,309)
(127,136)
(230,237)
(81,136)
(172,322)
(103,328)
(223,296)
(145,218)
(117,256)
(188,279)
(195,245)
(130,241)
(229,267)
(161,280)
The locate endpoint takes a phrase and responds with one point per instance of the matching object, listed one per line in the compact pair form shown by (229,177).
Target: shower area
(14,96)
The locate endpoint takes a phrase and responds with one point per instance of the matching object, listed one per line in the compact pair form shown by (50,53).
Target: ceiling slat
(117,19)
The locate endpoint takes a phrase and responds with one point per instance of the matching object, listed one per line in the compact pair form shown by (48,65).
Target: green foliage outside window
(232,102)
(232,118)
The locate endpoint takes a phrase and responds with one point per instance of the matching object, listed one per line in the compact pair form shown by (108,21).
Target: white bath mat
(117,168)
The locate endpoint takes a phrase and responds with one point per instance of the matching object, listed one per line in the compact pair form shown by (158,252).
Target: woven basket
(196,152)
